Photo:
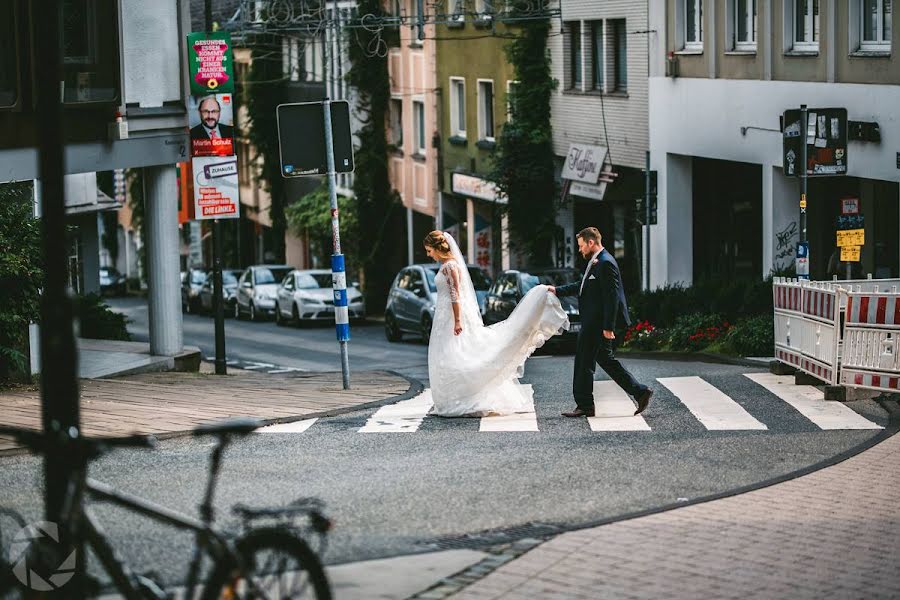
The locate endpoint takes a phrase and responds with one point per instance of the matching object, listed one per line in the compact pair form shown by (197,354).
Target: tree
(311,216)
(377,203)
(21,276)
(523,161)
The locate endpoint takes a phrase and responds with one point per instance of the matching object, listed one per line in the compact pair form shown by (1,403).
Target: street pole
(218,294)
(60,411)
(647,215)
(338,272)
(803,246)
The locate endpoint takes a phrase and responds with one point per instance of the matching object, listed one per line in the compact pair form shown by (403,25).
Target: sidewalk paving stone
(170,403)
(833,533)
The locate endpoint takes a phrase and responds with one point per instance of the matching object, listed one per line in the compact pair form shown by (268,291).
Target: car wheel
(296,314)
(426,329)
(279,320)
(237,310)
(253,316)
(391,331)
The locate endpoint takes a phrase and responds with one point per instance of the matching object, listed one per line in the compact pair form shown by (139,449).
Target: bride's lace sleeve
(451,272)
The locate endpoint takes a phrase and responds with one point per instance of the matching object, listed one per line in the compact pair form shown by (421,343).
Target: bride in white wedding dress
(474,370)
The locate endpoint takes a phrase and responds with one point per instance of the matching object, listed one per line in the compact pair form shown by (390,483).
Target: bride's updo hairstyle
(437,241)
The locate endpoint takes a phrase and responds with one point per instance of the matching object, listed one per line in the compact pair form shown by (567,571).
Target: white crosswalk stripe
(295,427)
(614,410)
(403,417)
(715,410)
(810,402)
(514,422)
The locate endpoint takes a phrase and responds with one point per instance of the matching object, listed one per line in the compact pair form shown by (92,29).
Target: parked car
(256,291)
(512,285)
(112,283)
(190,290)
(411,300)
(308,295)
(229,286)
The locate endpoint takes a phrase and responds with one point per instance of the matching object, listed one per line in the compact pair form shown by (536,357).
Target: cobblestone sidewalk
(834,533)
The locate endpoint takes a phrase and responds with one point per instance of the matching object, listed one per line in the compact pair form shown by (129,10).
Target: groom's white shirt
(587,269)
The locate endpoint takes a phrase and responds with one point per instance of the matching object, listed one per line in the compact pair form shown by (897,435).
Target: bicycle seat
(238,426)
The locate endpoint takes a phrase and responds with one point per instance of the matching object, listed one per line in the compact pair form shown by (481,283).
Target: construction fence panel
(872,341)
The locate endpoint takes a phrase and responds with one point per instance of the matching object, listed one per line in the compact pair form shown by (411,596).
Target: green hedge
(98,321)
(732,300)
(752,337)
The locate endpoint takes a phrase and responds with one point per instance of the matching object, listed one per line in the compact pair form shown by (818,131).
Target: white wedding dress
(476,372)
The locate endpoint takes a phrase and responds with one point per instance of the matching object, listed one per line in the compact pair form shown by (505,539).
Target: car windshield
(313,281)
(266,275)
(479,279)
(554,278)
(230,277)
(198,277)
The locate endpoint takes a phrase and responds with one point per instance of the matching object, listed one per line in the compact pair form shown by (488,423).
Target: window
(875,25)
(458,106)
(314,58)
(575,55)
(598,57)
(806,25)
(419,125)
(743,25)
(511,91)
(9,68)
(693,25)
(620,62)
(290,58)
(90,53)
(485,110)
(484,6)
(397,122)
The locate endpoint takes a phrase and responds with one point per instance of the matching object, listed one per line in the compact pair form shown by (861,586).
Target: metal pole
(803,246)
(339,276)
(647,215)
(218,294)
(60,410)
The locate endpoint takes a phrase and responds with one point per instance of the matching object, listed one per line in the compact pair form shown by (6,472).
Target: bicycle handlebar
(39,441)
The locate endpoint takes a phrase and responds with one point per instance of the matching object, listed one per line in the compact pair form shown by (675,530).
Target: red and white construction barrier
(872,341)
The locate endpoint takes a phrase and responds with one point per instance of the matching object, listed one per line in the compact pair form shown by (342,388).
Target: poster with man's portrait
(211,119)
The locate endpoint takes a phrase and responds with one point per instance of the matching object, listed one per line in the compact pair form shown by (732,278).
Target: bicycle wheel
(278,563)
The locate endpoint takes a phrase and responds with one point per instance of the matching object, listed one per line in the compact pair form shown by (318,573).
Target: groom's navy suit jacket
(602,299)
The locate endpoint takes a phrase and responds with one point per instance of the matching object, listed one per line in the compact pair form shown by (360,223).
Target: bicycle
(255,563)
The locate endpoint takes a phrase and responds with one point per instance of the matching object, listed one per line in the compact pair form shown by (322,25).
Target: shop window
(9,67)
(90,52)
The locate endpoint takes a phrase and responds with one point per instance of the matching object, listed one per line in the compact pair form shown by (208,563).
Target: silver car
(307,295)
(257,289)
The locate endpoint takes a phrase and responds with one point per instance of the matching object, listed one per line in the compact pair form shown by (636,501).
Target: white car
(307,295)
(255,294)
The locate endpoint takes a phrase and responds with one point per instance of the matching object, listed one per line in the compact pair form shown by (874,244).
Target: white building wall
(738,120)
(578,117)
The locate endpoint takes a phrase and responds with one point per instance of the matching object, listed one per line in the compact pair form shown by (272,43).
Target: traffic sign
(301,138)
(826,138)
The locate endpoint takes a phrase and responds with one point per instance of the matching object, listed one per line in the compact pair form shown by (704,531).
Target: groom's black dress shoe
(643,400)
(579,413)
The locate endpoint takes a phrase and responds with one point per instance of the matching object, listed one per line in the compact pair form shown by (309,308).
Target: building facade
(413,125)
(722,75)
(599,54)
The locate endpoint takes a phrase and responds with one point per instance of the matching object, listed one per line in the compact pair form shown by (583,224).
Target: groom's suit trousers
(597,350)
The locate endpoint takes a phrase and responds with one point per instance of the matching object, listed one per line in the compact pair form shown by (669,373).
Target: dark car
(112,283)
(190,290)
(229,286)
(257,290)
(411,301)
(511,286)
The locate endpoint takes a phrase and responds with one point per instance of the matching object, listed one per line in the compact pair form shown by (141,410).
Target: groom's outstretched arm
(569,289)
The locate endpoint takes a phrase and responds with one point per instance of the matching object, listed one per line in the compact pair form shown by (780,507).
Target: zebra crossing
(614,410)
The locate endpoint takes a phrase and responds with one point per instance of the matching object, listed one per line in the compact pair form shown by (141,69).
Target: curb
(511,550)
(707,357)
(415,388)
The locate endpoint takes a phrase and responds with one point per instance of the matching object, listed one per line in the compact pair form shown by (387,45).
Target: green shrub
(732,299)
(644,336)
(98,321)
(752,337)
(697,331)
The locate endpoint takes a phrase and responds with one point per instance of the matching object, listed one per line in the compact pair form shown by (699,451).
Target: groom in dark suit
(601,301)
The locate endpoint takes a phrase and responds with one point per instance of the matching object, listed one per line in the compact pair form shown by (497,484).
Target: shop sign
(476,187)
(587,190)
(584,163)
(849,206)
(483,248)
(851,237)
(215,181)
(850,253)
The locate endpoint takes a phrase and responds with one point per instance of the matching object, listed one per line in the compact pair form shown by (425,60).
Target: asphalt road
(400,493)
